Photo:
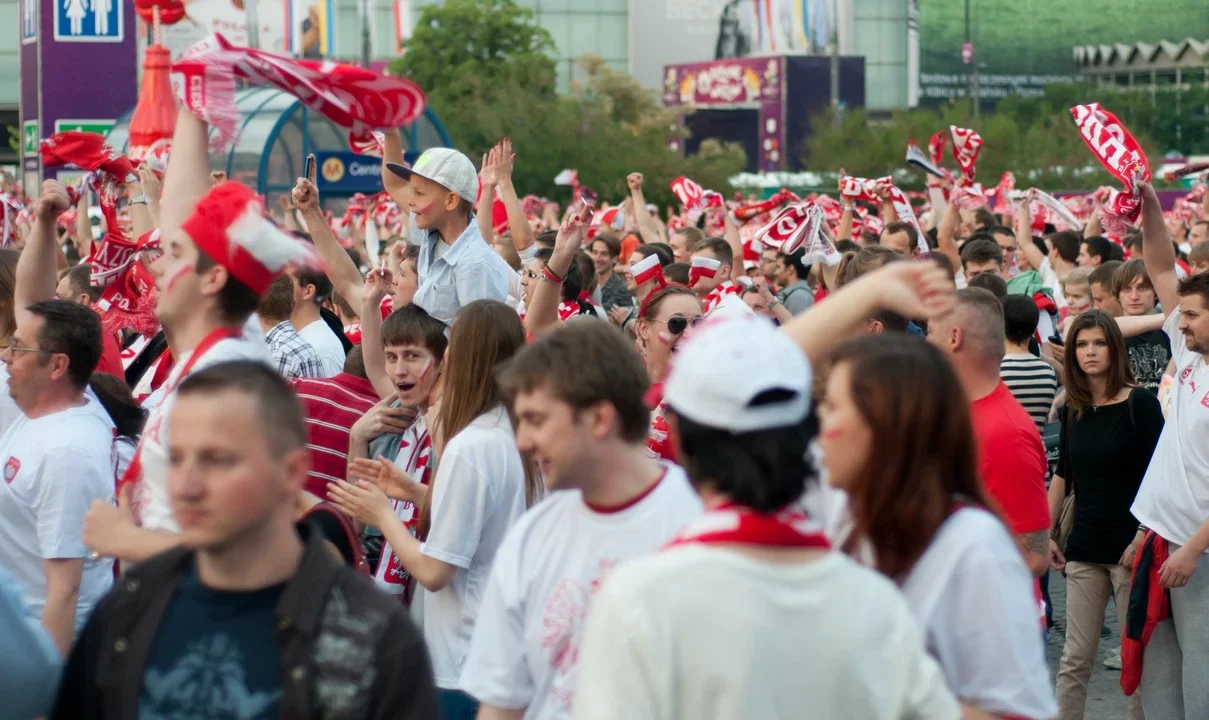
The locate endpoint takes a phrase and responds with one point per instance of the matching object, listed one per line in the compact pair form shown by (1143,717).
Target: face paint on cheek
(832,435)
(186,268)
(424,210)
(664,338)
(424,371)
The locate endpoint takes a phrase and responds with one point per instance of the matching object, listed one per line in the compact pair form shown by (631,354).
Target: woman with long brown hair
(896,437)
(1110,427)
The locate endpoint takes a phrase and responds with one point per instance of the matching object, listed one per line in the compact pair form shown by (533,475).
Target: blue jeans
(456,705)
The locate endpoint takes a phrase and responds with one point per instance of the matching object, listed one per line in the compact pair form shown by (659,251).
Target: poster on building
(312,28)
(1020,46)
(228,18)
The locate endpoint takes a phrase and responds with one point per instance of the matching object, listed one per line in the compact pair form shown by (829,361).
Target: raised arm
(915,290)
(37,267)
(518,225)
(345,276)
(486,205)
(646,226)
(1157,251)
(1024,235)
(945,232)
(542,314)
(372,354)
(187,178)
(83,238)
(397,187)
(888,213)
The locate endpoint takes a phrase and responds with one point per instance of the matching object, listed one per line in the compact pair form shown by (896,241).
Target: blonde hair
(1199,254)
(1079,277)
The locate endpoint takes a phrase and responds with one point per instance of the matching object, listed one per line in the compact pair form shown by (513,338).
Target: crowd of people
(464,453)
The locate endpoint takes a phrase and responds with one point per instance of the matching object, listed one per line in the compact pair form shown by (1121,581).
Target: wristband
(847,206)
(549,276)
(140,199)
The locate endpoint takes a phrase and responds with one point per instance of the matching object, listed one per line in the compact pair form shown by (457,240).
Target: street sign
(30,140)
(29,21)
(88,21)
(97,126)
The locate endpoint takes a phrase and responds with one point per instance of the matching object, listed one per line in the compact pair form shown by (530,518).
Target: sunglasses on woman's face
(677,324)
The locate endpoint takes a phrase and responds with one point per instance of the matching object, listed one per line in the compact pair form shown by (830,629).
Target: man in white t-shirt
(1173,499)
(311,289)
(58,458)
(220,255)
(577,396)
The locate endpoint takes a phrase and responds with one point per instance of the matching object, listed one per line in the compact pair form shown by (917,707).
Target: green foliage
(14,138)
(486,70)
(1035,138)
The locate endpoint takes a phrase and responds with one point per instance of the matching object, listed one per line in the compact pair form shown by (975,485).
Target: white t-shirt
(1050,279)
(54,468)
(414,458)
(973,598)
(479,492)
(525,649)
(1174,497)
(9,412)
(327,345)
(703,633)
(150,498)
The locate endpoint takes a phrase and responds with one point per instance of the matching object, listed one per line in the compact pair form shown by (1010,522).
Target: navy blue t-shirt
(215,656)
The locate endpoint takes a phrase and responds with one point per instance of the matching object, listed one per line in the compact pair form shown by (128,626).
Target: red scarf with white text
(1121,155)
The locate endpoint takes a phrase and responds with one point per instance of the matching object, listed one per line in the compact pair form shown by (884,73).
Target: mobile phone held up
(309,171)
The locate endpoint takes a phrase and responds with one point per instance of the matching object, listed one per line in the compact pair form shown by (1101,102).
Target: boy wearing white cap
(456,267)
(220,255)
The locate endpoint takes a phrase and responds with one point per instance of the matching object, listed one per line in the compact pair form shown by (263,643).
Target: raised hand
(573,231)
(53,202)
(378,282)
(915,290)
(305,194)
(150,182)
(388,478)
(634,181)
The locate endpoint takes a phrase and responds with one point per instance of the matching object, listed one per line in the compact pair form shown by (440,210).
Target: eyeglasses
(18,348)
(677,324)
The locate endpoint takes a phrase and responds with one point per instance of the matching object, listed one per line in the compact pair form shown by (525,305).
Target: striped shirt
(1033,382)
(331,406)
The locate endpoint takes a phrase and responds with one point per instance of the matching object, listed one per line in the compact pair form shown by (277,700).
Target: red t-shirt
(331,406)
(111,356)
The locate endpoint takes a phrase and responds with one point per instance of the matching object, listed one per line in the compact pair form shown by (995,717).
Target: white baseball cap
(724,376)
(446,167)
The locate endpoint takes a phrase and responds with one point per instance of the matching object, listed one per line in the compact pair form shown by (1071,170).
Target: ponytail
(119,403)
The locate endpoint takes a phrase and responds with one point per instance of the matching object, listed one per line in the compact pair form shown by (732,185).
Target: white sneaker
(1113,661)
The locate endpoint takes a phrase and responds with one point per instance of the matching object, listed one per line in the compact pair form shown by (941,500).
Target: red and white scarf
(108,169)
(967,145)
(732,524)
(862,189)
(1122,156)
(354,98)
(1055,206)
(718,294)
(694,198)
(129,296)
(750,211)
(800,226)
(10,209)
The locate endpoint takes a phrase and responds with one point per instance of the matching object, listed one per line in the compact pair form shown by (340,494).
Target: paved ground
(1105,701)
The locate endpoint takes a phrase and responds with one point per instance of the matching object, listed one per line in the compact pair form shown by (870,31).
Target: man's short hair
(678,273)
(990,282)
(869,258)
(719,248)
(981,248)
(1128,273)
(611,243)
(1199,253)
(1020,318)
(236,301)
(277,303)
(985,219)
(412,325)
(79,277)
(318,278)
(899,226)
(581,364)
(1103,276)
(281,417)
(344,306)
(980,317)
(354,363)
(1195,285)
(794,260)
(1001,230)
(945,263)
(692,236)
(1099,246)
(1067,244)
(72,329)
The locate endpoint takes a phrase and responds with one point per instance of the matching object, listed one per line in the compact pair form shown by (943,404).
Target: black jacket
(347,650)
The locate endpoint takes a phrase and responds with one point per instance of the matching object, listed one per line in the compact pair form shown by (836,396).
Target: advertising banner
(229,18)
(723,82)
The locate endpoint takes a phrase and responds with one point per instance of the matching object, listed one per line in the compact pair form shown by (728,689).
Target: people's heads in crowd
(981,254)
(866,261)
(683,241)
(311,286)
(945,263)
(984,220)
(1194,312)
(745,439)
(901,237)
(790,269)
(642,252)
(1076,288)
(577,396)
(1133,288)
(1006,238)
(972,335)
(246,414)
(1103,289)
(768,264)
(755,300)
(407,281)
(75,284)
(990,282)
(1198,258)
(1095,251)
(52,354)
(896,436)
(663,318)
(1064,246)
(414,344)
(1095,348)
(354,363)
(604,250)
(716,249)
(1198,233)
(1020,318)
(343,309)
(444,185)
(277,303)
(678,273)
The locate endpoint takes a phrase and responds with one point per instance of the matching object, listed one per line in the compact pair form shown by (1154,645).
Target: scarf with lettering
(800,226)
(353,98)
(1122,156)
(862,189)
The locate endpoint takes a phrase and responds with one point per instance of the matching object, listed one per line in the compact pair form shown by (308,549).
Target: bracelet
(139,199)
(773,302)
(847,206)
(549,276)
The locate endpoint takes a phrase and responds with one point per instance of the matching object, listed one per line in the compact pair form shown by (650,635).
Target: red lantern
(171,11)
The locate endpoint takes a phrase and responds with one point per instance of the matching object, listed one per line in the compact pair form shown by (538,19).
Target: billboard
(228,18)
(1022,46)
